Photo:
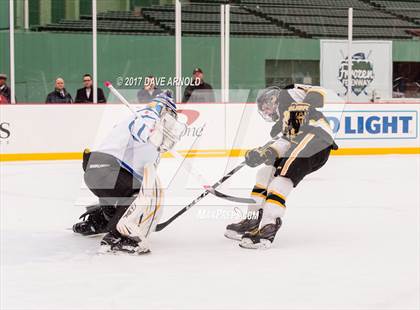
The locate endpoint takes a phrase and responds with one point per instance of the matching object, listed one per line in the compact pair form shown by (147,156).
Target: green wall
(406,50)
(248,55)
(41,57)
(4,14)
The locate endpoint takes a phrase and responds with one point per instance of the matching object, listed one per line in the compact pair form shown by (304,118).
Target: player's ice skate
(261,238)
(115,243)
(235,231)
(94,220)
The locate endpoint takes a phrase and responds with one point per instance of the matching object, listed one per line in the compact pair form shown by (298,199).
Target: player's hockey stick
(211,189)
(185,165)
(162,225)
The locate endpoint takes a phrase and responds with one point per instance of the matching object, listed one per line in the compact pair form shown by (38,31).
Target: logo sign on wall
(373,124)
(371,68)
(4,132)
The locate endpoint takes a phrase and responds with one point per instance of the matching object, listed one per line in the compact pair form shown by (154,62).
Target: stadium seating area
(403,9)
(119,22)
(299,18)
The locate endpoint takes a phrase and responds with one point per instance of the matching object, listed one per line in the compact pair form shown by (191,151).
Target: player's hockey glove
(258,156)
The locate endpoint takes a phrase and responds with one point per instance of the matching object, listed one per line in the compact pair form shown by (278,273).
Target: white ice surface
(350,240)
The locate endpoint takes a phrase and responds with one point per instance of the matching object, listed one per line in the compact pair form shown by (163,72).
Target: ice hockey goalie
(121,172)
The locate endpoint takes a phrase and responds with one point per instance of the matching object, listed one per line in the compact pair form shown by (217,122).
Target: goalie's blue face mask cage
(164,100)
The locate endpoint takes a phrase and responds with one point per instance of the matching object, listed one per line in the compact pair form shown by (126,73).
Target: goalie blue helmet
(165,99)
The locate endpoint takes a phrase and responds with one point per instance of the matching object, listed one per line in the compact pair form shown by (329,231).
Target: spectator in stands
(85,94)
(149,91)
(60,94)
(4,89)
(198,91)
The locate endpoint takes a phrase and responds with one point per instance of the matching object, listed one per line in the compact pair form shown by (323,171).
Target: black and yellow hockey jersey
(315,121)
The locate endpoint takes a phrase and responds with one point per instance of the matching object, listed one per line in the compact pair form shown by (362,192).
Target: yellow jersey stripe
(296,152)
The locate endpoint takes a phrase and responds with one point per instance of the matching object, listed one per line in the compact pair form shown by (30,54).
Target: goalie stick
(184,164)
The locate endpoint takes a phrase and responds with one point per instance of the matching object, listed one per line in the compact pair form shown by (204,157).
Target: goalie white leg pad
(141,217)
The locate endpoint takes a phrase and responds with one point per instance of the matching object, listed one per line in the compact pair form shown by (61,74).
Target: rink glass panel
(263,38)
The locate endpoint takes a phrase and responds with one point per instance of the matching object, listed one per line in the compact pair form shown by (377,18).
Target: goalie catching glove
(258,156)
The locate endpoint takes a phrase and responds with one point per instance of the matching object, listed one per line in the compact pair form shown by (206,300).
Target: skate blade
(233,235)
(106,249)
(93,236)
(87,236)
(247,243)
(129,253)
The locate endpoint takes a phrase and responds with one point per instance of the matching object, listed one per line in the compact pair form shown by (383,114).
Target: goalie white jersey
(129,141)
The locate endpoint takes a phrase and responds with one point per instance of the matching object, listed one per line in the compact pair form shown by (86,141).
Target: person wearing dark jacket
(149,92)
(198,91)
(59,95)
(85,94)
(5,93)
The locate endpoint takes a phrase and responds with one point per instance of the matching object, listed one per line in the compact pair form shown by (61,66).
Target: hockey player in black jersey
(304,147)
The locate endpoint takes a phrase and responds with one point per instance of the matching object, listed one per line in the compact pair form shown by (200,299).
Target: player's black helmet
(268,102)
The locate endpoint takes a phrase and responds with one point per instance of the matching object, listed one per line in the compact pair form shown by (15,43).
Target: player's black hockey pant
(307,154)
(112,184)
